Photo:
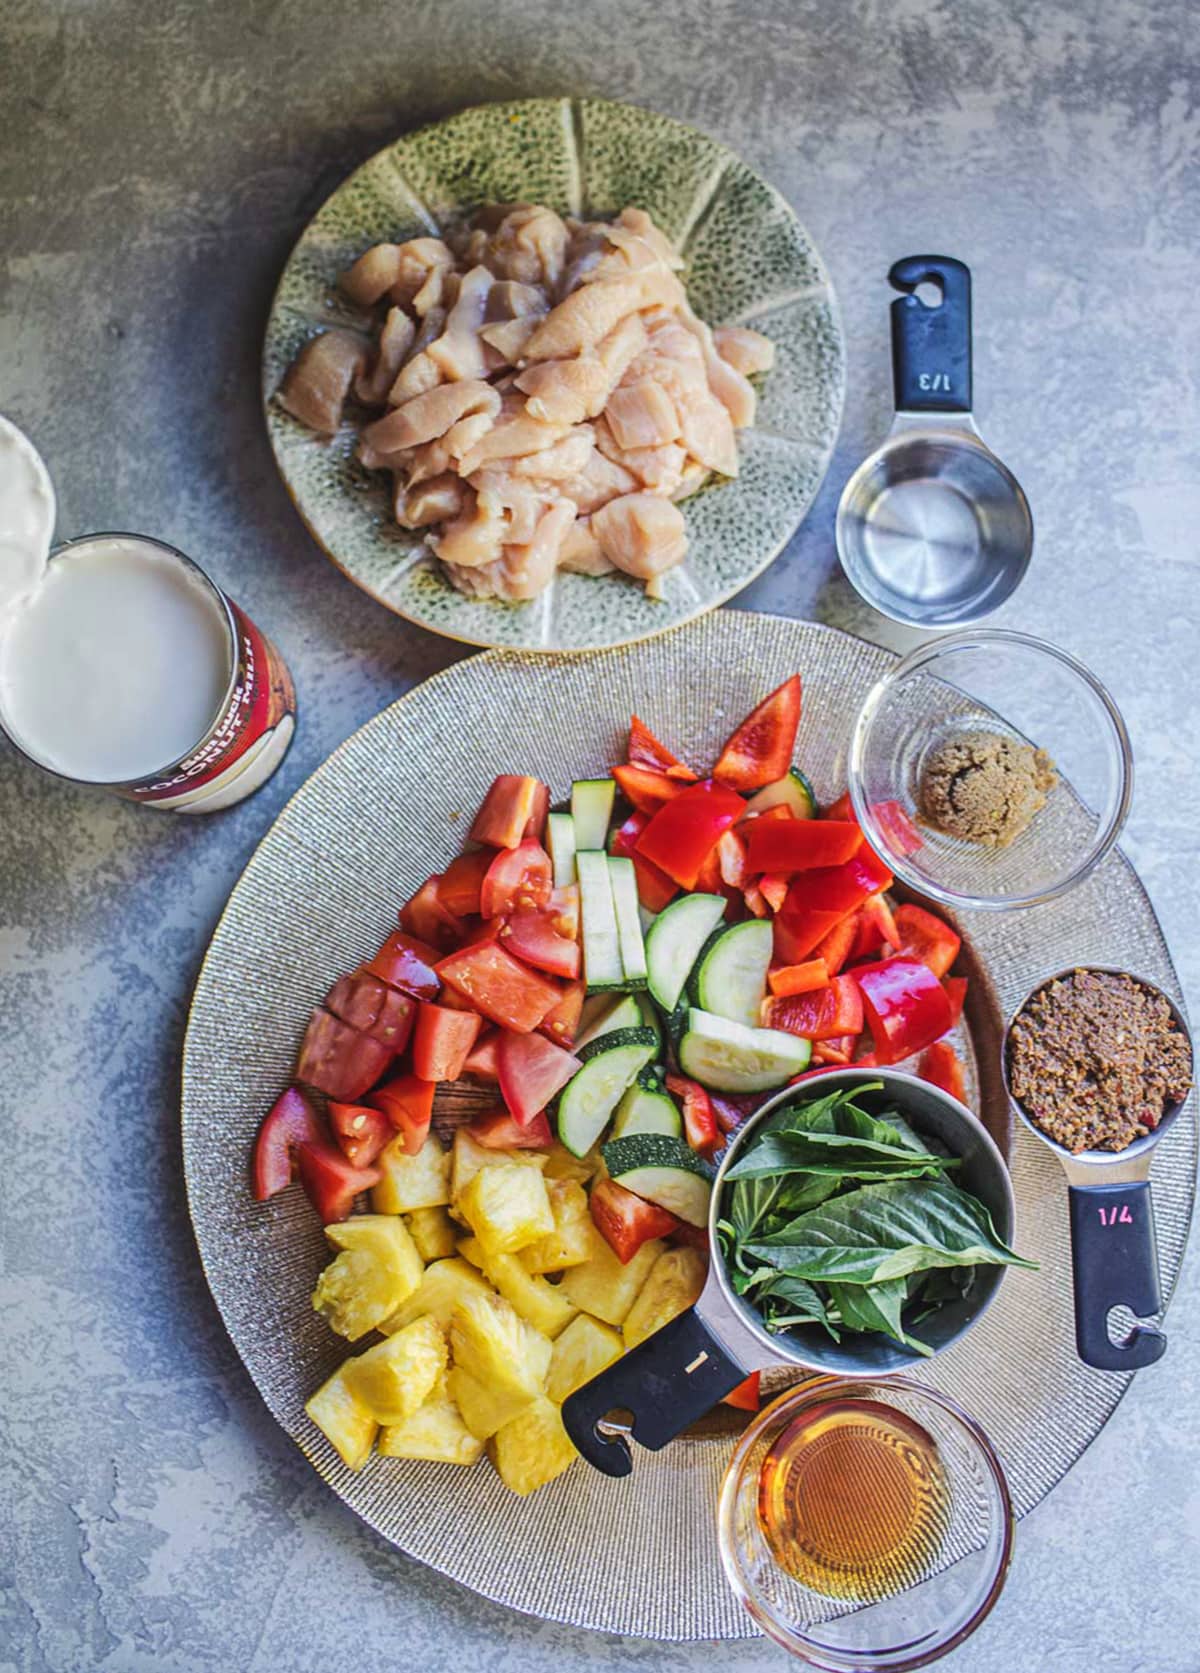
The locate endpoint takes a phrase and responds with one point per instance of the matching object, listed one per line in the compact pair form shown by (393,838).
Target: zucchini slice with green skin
(792,791)
(662,1170)
(635,1036)
(591,809)
(612,1012)
(729,1057)
(602,967)
(650,1019)
(674,943)
(560,840)
(730,978)
(647,1108)
(622,880)
(610,1065)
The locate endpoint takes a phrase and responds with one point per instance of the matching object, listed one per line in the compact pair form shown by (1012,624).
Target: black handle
(931,346)
(1116,1262)
(665,1383)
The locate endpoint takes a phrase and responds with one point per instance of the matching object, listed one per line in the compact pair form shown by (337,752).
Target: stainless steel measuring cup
(672,1378)
(1114,1256)
(932,529)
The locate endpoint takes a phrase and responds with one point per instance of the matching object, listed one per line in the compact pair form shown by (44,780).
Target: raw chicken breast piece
(509,300)
(423,267)
(458,352)
(513,434)
(395,343)
(372,276)
(561,461)
(746,351)
(428,416)
(529,245)
(522,572)
(735,393)
(475,536)
(565,391)
(581,552)
(642,534)
(587,315)
(602,479)
(316,384)
(439,500)
(641,414)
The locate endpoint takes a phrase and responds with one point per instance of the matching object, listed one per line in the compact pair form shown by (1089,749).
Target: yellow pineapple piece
(507,1207)
(444,1285)
(561,1164)
(582,1351)
(435,1431)
(490,1340)
(533,1447)
(540,1304)
(398,1374)
(469,1156)
(344,1421)
(471,1249)
(569,1244)
(377,1269)
(483,1409)
(673,1286)
(433,1232)
(602,1285)
(412,1182)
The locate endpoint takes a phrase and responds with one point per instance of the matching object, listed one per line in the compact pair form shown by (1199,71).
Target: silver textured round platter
(637,1556)
(748,261)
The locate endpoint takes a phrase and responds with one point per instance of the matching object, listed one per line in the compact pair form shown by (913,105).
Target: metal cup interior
(933,530)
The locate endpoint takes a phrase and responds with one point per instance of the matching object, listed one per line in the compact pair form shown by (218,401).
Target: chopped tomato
(905,1006)
(564,911)
(561,1022)
(956,993)
(532,1069)
(760,751)
(746,1396)
(405,963)
(499,986)
(481,1061)
(837,944)
(373,1007)
(407,1103)
(838,1051)
(518,878)
(514,808)
(655,888)
(531,936)
(442,1041)
(339,1060)
(646,751)
(425,917)
(290,1122)
(361,1132)
(798,978)
(929,938)
(681,835)
(801,844)
(330,1182)
(626,1221)
(822,1014)
(699,1118)
(501,1132)
(774,890)
(940,1065)
(645,789)
(458,886)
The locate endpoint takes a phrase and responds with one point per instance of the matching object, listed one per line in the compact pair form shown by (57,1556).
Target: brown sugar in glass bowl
(985,787)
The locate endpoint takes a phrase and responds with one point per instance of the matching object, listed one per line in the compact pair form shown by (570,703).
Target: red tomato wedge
(699,1118)
(822,1014)
(800,844)
(290,1122)
(501,1132)
(499,986)
(405,963)
(339,1060)
(760,751)
(655,888)
(626,1221)
(361,1132)
(372,1006)
(956,993)
(645,750)
(646,789)
(442,1041)
(940,1065)
(798,978)
(330,1182)
(681,835)
(513,809)
(561,1023)
(532,937)
(746,1396)
(924,936)
(519,878)
(407,1103)
(532,1069)
(905,1006)
(481,1059)
(836,946)
(458,886)
(564,911)
(425,917)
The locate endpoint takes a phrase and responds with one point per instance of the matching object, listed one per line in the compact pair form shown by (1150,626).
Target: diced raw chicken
(428,416)
(660,469)
(513,434)
(395,343)
(317,382)
(509,337)
(708,433)
(508,300)
(565,391)
(582,553)
(636,223)
(529,245)
(521,503)
(641,414)
(372,276)
(746,351)
(458,352)
(601,480)
(560,462)
(642,534)
(695,475)
(587,247)
(735,393)
(617,352)
(475,536)
(583,318)
(460,438)
(439,500)
(522,572)
(424,266)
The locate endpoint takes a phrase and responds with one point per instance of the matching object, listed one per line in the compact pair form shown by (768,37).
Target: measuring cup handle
(1116,1262)
(931,346)
(665,1383)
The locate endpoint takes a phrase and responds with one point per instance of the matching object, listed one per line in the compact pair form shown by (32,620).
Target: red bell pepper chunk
(645,750)
(361,1132)
(339,1060)
(499,986)
(425,917)
(840,888)
(756,901)
(681,835)
(956,993)
(501,1132)
(798,932)
(532,937)
(836,1052)
(626,1221)
(692,1237)
(836,946)
(929,938)
(405,963)
(939,1064)
(442,1041)
(290,1122)
(774,890)
(731,859)
(518,879)
(731,1109)
(876,927)
(801,844)
(514,808)
(407,1103)
(699,1118)
(481,1063)
(760,751)
(905,1006)
(645,789)
(561,1022)
(747,1396)
(373,1008)
(900,834)
(822,1014)
(843,808)
(532,1069)
(798,978)
(459,885)
(655,888)
(330,1182)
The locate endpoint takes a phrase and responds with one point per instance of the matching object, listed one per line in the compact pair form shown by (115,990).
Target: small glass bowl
(992,680)
(944,1599)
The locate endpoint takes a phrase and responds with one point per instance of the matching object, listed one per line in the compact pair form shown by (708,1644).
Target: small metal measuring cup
(1114,1255)
(932,529)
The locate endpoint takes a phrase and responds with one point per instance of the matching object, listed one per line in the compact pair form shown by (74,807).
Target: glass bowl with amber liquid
(866,1526)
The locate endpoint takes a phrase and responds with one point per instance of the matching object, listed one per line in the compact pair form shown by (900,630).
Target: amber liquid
(853,1500)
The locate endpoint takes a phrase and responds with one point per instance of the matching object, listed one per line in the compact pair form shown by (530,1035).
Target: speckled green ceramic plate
(748,260)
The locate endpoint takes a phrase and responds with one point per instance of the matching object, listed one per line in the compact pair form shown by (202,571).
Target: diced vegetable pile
(633,972)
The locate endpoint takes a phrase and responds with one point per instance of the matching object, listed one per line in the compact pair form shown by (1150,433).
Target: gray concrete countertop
(156,163)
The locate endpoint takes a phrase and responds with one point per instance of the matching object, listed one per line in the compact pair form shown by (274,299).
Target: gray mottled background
(156,162)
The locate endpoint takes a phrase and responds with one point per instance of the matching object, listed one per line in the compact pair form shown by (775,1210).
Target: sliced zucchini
(560,839)
(729,1057)
(677,1021)
(602,968)
(650,1019)
(730,978)
(792,791)
(647,1108)
(610,1066)
(609,1015)
(645,918)
(608,1041)
(675,940)
(662,1170)
(591,809)
(622,880)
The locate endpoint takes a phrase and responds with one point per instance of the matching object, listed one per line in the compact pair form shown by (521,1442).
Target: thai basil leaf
(871,1306)
(786,1301)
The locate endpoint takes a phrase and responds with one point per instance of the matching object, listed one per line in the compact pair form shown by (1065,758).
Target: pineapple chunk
(582,1351)
(484,1410)
(492,1342)
(433,1232)
(540,1304)
(570,1243)
(533,1447)
(673,1286)
(444,1285)
(377,1269)
(561,1164)
(471,1249)
(397,1375)
(343,1420)
(507,1207)
(411,1182)
(435,1431)
(469,1156)
(602,1285)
